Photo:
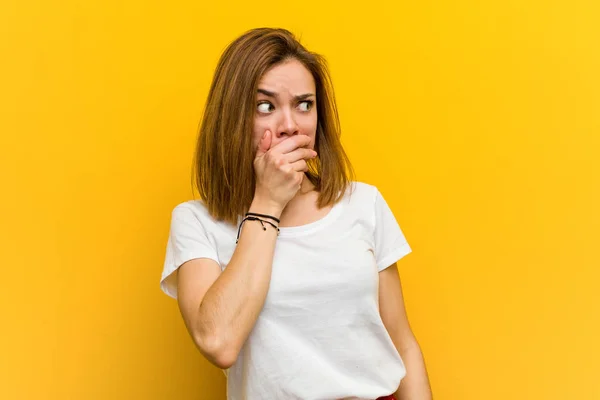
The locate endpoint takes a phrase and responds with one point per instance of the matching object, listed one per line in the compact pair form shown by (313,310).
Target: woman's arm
(221,308)
(415,385)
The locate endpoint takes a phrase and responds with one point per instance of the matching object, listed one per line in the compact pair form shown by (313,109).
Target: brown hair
(223,160)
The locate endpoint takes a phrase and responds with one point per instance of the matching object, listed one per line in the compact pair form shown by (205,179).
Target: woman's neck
(301,201)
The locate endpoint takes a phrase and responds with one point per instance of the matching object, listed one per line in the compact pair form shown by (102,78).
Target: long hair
(223,169)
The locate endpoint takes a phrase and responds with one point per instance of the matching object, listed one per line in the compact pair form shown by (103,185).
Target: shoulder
(362,192)
(360,200)
(194,209)
(190,206)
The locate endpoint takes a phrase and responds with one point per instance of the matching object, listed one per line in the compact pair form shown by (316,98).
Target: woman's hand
(280,169)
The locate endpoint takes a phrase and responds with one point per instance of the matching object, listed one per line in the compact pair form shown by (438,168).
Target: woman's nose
(287,125)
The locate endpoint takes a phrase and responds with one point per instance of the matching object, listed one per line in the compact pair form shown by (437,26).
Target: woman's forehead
(290,76)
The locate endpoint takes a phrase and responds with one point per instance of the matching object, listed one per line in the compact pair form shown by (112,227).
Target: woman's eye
(265,108)
(306,105)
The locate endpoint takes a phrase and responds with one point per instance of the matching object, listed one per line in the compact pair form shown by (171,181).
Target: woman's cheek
(257,133)
(313,134)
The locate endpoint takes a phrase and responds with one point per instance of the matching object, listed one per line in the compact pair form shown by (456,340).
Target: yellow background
(478,121)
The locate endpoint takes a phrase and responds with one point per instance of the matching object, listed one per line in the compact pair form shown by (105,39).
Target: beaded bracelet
(251,218)
(264,216)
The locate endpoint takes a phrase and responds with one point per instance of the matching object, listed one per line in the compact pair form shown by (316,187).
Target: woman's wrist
(266,207)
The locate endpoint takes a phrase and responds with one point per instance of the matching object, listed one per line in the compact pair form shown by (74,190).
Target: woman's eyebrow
(274,95)
(303,96)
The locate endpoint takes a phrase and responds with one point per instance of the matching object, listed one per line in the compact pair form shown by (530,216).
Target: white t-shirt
(319,335)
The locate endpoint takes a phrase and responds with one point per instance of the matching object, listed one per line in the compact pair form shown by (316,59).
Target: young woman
(285,270)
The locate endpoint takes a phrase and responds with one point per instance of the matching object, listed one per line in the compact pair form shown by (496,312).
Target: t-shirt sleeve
(390,243)
(187,240)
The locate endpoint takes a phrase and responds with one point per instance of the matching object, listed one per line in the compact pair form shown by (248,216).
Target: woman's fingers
(300,154)
(299,166)
(291,144)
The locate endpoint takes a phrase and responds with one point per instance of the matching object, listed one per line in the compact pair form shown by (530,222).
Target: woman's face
(286,104)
